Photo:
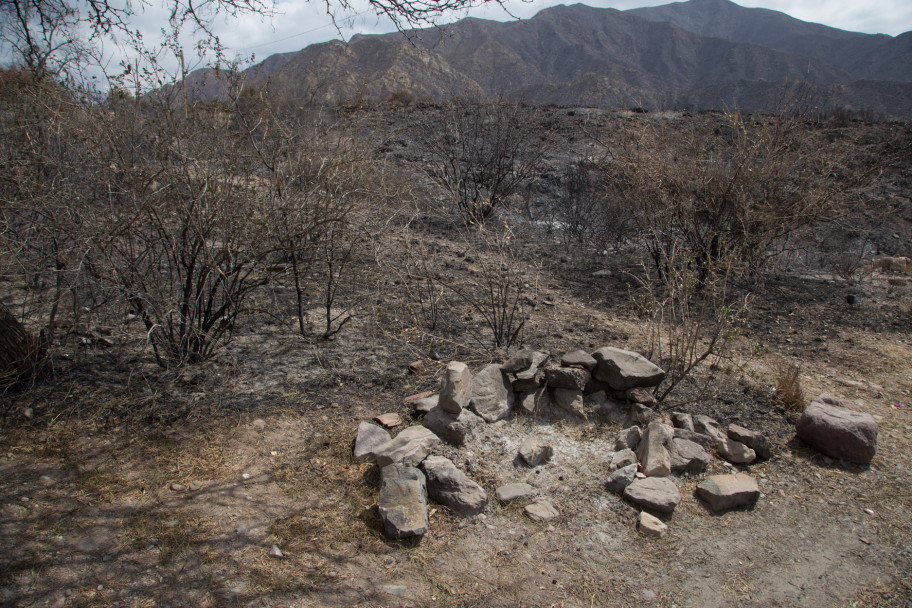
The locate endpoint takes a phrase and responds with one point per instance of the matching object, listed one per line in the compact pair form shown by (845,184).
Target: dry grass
(788,388)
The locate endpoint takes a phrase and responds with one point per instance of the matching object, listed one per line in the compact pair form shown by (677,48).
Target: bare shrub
(788,387)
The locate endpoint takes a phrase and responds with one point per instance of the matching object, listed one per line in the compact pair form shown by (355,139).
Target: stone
(542,510)
(600,404)
(178,487)
(629,438)
(652,450)
(527,385)
(492,395)
(642,414)
(409,447)
(643,396)
(650,525)
(370,438)
(412,399)
(403,501)
(534,402)
(578,358)
(455,387)
(595,386)
(276,553)
(659,494)
(622,458)
(514,491)
(705,441)
(620,479)
(680,420)
(259,424)
(570,400)
(417,367)
(752,439)
(624,369)
(425,405)
(567,377)
(735,451)
(687,456)
(538,357)
(708,426)
(724,492)
(455,429)
(389,420)
(535,451)
(520,361)
(449,486)
(837,431)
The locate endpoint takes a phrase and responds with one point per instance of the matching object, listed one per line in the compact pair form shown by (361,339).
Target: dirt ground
(125,485)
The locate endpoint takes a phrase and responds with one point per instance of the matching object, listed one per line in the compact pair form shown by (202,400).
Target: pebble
(259,423)
(276,552)
(245,476)
(178,487)
(869,511)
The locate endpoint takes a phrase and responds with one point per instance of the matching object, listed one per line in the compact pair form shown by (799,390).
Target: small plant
(788,387)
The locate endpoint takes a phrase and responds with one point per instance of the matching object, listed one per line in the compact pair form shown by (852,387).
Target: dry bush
(788,387)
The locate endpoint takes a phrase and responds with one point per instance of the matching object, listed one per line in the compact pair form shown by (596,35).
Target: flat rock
(833,429)
(708,426)
(533,402)
(492,395)
(735,451)
(449,486)
(567,377)
(680,420)
(542,510)
(534,451)
(417,367)
(629,438)
(641,395)
(369,439)
(422,406)
(752,439)
(538,357)
(578,358)
(622,458)
(455,429)
(403,501)
(620,479)
(650,525)
(412,399)
(409,447)
(705,441)
(624,369)
(687,456)
(724,492)
(389,420)
(659,494)
(570,400)
(520,361)
(514,491)
(455,387)
(652,450)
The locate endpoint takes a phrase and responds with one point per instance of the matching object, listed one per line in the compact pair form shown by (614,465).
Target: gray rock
(388,420)
(622,458)
(520,361)
(455,387)
(833,429)
(595,386)
(178,487)
(652,450)
(370,438)
(449,486)
(276,553)
(620,479)
(643,396)
(578,358)
(659,494)
(570,400)
(624,369)
(538,357)
(687,456)
(542,510)
(492,395)
(600,404)
(629,438)
(735,451)
(705,441)
(425,404)
(403,501)
(409,447)
(752,439)
(723,492)
(567,377)
(680,420)
(642,414)
(533,402)
(514,491)
(452,428)
(650,525)
(527,385)
(708,426)
(534,451)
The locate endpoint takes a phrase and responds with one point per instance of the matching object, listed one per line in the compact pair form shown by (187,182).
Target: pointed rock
(652,450)
(403,501)
(708,426)
(370,438)
(650,525)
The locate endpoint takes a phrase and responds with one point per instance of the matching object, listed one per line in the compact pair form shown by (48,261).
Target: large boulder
(452,428)
(492,395)
(652,450)
(578,358)
(449,486)
(409,447)
(455,387)
(403,501)
(724,492)
(658,494)
(830,427)
(624,369)
(369,440)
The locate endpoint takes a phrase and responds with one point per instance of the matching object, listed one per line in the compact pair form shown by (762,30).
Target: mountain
(697,54)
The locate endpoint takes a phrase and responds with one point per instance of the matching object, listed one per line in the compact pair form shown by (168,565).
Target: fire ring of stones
(643,463)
